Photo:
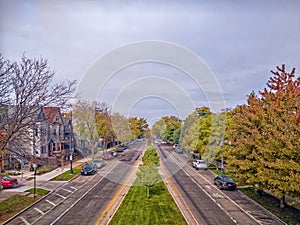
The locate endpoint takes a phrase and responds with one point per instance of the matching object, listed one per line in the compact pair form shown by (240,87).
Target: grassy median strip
(148,200)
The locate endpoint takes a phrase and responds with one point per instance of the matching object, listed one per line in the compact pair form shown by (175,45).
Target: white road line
(67,190)
(50,202)
(40,211)
(74,188)
(60,195)
(24,221)
(207,186)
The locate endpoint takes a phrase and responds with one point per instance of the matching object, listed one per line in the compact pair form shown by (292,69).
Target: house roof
(51,113)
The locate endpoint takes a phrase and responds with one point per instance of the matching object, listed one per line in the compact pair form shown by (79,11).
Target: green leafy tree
(196,131)
(148,174)
(265,137)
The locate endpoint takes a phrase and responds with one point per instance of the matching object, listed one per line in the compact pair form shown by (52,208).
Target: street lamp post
(34,180)
(71,146)
(222,160)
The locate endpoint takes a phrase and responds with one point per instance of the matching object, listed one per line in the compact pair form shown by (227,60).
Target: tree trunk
(282,202)
(148,193)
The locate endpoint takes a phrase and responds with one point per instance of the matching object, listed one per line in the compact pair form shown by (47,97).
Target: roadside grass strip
(289,214)
(66,175)
(148,203)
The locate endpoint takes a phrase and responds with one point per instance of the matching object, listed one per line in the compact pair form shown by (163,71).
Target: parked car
(178,150)
(121,148)
(99,163)
(224,182)
(200,164)
(108,155)
(89,169)
(8,182)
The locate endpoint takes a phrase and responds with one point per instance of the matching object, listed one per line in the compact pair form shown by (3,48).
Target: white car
(200,164)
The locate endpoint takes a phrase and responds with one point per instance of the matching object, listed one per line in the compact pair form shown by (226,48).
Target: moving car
(200,164)
(224,182)
(88,169)
(8,182)
(99,163)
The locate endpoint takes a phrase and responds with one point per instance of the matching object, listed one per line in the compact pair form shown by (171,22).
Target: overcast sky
(240,41)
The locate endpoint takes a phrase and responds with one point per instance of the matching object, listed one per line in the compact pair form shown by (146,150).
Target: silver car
(99,163)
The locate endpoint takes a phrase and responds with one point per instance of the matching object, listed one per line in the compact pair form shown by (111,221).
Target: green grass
(160,209)
(66,175)
(38,191)
(13,205)
(289,214)
(218,171)
(157,208)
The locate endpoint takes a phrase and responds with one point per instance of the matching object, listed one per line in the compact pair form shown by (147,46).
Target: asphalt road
(86,199)
(202,202)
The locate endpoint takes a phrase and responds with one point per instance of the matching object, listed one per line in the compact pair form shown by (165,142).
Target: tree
(104,125)
(265,137)
(5,82)
(121,128)
(138,126)
(148,174)
(84,113)
(196,131)
(30,87)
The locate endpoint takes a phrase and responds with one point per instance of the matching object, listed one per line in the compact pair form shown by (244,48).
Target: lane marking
(74,188)
(24,221)
(59,195)
(40,211)
(52,203)
(67,190)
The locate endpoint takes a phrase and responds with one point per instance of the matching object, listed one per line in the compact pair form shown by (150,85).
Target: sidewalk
(26,181)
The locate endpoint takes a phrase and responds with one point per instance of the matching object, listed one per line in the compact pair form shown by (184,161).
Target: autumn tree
(138,126)
(30,86)
(265,137)
(104,124)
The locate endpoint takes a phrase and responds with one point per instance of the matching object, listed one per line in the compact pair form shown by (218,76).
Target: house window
(54,131)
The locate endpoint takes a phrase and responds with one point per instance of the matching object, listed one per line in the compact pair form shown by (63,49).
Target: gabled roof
(51,113)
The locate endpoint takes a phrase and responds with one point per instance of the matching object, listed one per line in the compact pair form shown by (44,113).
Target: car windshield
(6,178)
(227,179)
(87,167)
